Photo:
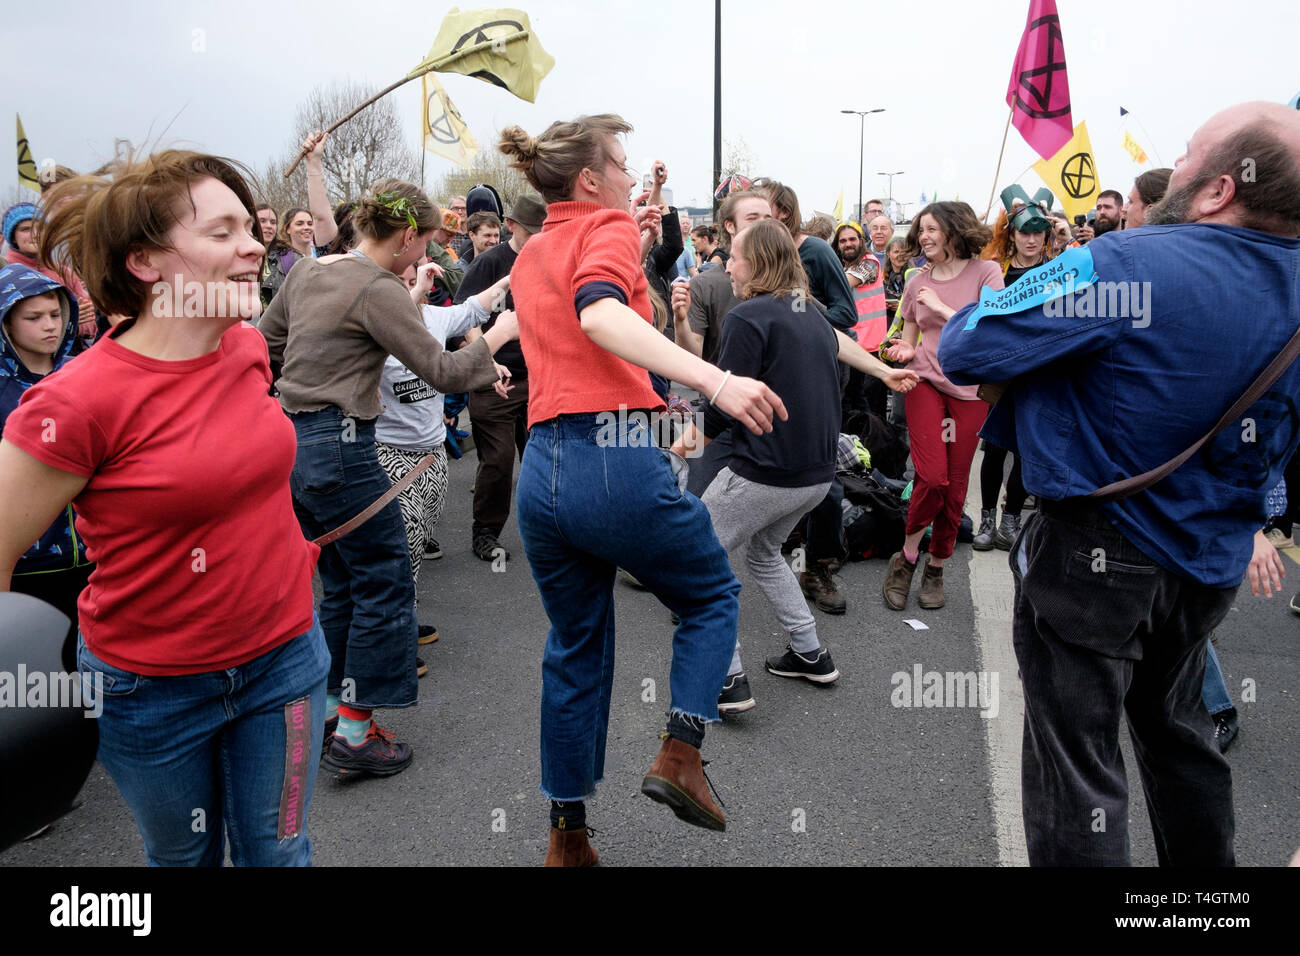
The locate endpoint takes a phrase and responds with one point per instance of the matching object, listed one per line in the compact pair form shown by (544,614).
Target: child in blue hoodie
(38,328)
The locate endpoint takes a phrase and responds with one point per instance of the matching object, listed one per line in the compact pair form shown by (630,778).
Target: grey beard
(1175,208)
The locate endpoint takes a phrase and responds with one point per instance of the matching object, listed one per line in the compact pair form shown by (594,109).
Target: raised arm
(318,200)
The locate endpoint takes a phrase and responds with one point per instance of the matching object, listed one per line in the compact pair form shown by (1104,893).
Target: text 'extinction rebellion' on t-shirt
(200,562)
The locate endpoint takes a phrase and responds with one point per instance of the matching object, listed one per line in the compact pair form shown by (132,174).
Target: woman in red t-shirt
(595,494)
(943,419)
(198,636)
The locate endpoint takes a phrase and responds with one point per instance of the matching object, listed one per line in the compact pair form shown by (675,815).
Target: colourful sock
(331,706)
(911,557)
(354,724)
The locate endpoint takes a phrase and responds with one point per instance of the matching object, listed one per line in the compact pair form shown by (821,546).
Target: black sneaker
(486,547)
(1225,728)
(421,668)
(735,697)
(428,634)
(1295,604)
(380,754)
(819,669)
(331,725)
(432,552)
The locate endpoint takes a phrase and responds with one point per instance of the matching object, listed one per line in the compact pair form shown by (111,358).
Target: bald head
(1242,168)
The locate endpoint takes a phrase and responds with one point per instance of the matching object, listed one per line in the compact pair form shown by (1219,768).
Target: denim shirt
(1110,392)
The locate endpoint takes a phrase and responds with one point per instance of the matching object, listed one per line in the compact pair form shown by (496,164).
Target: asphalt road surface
(815,776)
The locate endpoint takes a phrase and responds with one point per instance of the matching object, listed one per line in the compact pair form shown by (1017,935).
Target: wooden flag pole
(998,172)
(432,68)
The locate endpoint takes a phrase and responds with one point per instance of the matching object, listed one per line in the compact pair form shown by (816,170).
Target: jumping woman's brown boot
(677,779)
(571,848)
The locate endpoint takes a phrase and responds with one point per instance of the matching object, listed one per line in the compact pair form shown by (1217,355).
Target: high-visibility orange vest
(873,319)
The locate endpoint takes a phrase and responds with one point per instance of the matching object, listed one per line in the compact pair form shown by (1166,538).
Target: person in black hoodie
(771,480)
(38,329)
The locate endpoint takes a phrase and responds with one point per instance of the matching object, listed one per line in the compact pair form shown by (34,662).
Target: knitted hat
(14,216)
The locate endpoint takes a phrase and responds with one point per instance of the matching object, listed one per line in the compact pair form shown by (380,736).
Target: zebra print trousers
(421,502)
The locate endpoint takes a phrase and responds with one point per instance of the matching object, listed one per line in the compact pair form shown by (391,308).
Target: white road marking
(991,596)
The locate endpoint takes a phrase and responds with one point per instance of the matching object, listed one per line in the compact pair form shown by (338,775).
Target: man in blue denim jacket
(1135,361)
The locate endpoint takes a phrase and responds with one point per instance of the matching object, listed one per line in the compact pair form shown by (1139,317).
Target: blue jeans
(230,752)
(1214,692)
(586,509)
(368,607)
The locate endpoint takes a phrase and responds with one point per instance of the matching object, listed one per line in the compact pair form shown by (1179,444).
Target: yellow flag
(1134,150)
(1072,173)
(26,165)
(839,207)
(496,46)
(444,132)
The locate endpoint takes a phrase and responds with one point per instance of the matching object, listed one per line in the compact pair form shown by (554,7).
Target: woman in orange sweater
(594,492)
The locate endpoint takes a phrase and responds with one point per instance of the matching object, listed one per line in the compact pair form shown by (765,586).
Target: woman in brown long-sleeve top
(329,331)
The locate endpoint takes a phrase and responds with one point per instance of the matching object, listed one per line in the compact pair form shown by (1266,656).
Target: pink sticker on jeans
(297,760)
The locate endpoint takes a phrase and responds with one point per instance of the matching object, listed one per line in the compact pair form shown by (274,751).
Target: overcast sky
(84,73)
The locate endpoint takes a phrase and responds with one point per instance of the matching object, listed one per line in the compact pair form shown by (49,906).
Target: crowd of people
(833,363)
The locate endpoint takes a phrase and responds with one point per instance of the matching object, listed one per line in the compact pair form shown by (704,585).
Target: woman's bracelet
(719,391)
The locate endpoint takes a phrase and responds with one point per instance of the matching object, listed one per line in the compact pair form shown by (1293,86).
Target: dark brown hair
(1153,184)
(97,222)
(551,162)
(770,250)
(484,217)
(963,235)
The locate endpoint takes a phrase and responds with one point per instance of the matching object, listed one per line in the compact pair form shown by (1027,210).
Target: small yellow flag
(1072,173)
(496,46)
(1134,150)
(26,165)
(839,207)
(444,132)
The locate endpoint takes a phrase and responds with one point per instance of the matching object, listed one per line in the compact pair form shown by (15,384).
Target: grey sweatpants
(755,520)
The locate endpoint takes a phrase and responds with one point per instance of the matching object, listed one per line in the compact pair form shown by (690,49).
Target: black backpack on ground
(877,517)
(888,450)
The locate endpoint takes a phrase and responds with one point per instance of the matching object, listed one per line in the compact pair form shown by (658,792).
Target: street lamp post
(891,186)
(862,144)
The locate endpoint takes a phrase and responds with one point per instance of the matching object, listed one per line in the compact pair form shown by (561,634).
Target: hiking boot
(570,848)
(428,634)
(676,778)
(984,537)
(331,725)
(486,547)
(819,668)
(931,596)
(432,552)
(819,587)
(735,697)
(380,754)
(1007,531)
(898,581)
(1225,728)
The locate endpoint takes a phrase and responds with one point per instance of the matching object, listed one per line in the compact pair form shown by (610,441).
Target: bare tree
(368,147)
(488,166)
(738,157)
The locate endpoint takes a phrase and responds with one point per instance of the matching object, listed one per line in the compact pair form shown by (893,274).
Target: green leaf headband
(400,207)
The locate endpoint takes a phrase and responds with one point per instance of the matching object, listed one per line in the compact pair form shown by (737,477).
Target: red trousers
(945,435)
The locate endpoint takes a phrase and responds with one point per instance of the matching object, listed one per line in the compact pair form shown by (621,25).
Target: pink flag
(1039,93)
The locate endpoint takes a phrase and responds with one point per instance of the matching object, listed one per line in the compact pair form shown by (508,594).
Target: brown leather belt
(378,505)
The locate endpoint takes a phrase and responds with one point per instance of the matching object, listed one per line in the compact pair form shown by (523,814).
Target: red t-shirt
(200,563)
(580,243)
